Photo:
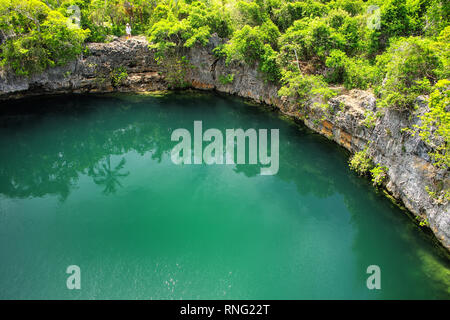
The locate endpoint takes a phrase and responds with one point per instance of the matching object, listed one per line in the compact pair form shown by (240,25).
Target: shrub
(252,12)
(192,24)
(338,62)
(305,88)
(353,72)
(369,120)
(175,69)
(361,74)
(246,45)
(316,39)
(118,76)
(379,174)
(288,12)
(347,27)
(441,197)
(226,79)
(411,66)
(395,20)
(361,162)
(268,64)
(164,37)
(269,33)
(435,124)
(423,222)
(252,45)
(311,39)
(353,7)
(435,16)
(53,42)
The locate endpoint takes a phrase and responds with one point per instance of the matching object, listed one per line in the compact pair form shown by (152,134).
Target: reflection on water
(103,174)
(88,180)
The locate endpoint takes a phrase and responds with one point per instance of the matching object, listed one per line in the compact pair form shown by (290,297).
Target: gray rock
(406,156)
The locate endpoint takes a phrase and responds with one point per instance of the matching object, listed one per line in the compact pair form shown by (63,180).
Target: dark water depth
(88,181)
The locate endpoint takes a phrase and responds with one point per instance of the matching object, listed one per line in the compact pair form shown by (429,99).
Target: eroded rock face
(92,73)
(410,170)
(406,156)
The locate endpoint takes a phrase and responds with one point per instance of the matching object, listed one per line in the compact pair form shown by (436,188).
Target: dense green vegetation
(400,49)
(361,162)
(435,127)
(37,37)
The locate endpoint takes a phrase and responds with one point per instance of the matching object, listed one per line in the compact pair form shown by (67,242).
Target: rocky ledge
(92,73)
(406,157)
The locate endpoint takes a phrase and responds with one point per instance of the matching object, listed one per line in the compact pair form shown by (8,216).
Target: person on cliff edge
(128,31)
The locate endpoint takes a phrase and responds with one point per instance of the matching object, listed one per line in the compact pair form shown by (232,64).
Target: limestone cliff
(406,157)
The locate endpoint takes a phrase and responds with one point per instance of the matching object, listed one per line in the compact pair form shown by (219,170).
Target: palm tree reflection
(103,174)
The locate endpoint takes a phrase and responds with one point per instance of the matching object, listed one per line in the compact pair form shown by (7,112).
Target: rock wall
(405,156)
(92,73)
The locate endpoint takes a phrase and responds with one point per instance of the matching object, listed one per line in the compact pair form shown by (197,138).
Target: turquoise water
(88,181)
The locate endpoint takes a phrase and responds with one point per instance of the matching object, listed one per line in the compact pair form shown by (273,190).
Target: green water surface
(88,181)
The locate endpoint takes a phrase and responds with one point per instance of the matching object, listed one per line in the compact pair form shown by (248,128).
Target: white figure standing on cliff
(128,30)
